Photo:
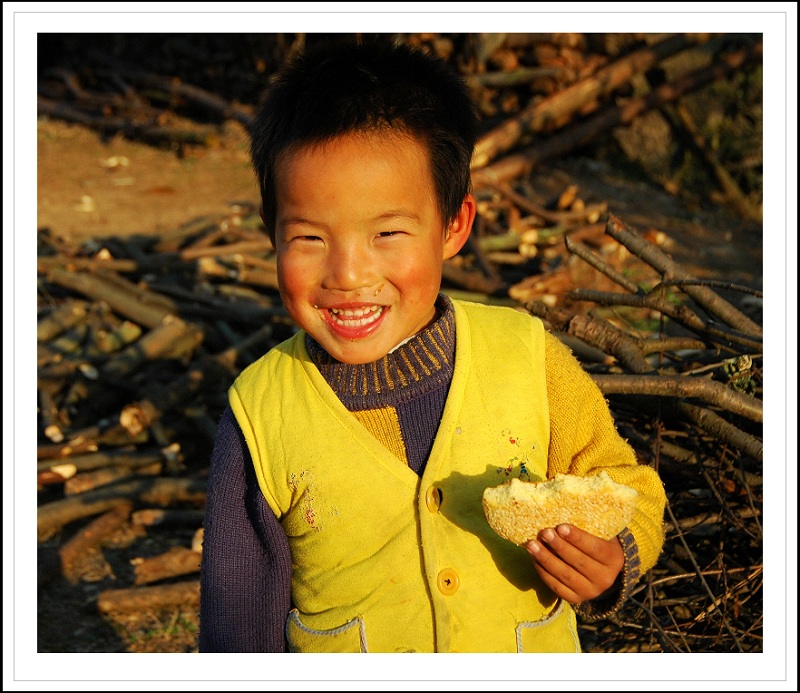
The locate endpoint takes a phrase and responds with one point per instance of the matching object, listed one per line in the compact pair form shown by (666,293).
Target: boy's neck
(411,368)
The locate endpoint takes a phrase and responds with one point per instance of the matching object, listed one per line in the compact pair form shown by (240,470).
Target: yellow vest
(384,561)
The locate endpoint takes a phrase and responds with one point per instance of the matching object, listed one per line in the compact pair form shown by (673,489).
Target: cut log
(81,483)
(62,318)
(160,491)
(82,557)
(177,561)
(167,517)
(150,598)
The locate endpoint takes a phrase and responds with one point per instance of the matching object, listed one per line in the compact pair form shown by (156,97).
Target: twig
(654,257)
(600,265)
(682,314)
(700,575)
(722,430)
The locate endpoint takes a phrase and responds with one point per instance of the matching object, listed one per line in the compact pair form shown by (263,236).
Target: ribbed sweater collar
(420,365)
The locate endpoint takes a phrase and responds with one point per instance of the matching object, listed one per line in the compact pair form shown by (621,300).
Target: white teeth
(356,318)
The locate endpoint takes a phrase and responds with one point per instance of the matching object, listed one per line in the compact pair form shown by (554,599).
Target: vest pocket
(350,637)
(556,632)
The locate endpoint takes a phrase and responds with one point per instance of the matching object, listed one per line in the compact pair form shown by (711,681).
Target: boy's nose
(349,268)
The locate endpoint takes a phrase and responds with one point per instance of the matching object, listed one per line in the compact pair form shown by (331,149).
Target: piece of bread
(518,510)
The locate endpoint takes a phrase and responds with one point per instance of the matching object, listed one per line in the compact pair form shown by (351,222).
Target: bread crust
(518,510)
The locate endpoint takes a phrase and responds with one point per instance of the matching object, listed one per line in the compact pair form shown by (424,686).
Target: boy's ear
(459,229)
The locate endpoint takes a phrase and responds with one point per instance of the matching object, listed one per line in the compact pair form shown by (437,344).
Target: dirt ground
(91,188)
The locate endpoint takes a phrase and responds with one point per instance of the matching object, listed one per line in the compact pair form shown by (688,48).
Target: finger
(600,550)
(570,554)
(561,578)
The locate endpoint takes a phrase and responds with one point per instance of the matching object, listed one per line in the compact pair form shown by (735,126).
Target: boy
(344,507)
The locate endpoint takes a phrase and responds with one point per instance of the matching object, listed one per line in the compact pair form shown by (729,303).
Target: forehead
(362,169)
(384,142)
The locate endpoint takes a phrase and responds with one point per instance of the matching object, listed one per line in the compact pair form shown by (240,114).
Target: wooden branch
(588,214)
(242,247)
(710,391)
(682,122)
(570,138)
(681,314)
(111,341)
(131,458)
(160,491)
(87,481)
(137,417)
(540,115)
(665,344)
(68,343)
(196,95)
(185,594)
(520,76)
(51,419)
(704,296)
(167,517)
(584,351)
(81,557)
(713,283)
(57,451)
(598,334)
(90,264)
(699,572)
(607,338)
(172,338)
(149,133)
(124,302)
(177,561)
(722,430)
(67,315)
(600,265)
(210,267)
(471,281)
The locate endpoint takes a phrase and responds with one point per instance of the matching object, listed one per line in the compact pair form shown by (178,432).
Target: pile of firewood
(139,339)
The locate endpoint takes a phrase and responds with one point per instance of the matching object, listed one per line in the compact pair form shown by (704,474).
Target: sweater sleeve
(584,440)
(246,565)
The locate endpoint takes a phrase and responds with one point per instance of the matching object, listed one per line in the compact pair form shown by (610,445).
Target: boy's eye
(389,234)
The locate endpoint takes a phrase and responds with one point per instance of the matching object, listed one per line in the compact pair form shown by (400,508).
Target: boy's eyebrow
(398,214)
(385,216)
(287,221)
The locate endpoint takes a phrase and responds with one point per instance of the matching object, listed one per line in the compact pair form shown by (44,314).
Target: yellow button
(448,582)
(433,497)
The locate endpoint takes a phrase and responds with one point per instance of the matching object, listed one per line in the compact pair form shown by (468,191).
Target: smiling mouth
(355,318)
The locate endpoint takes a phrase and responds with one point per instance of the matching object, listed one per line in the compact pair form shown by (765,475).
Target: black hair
(349,86)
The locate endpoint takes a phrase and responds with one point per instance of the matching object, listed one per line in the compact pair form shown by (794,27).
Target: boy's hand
(576,565)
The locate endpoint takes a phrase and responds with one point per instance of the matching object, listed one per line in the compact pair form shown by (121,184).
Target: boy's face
(360,242)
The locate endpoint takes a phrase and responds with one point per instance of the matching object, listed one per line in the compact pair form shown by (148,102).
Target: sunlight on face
(360,242)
